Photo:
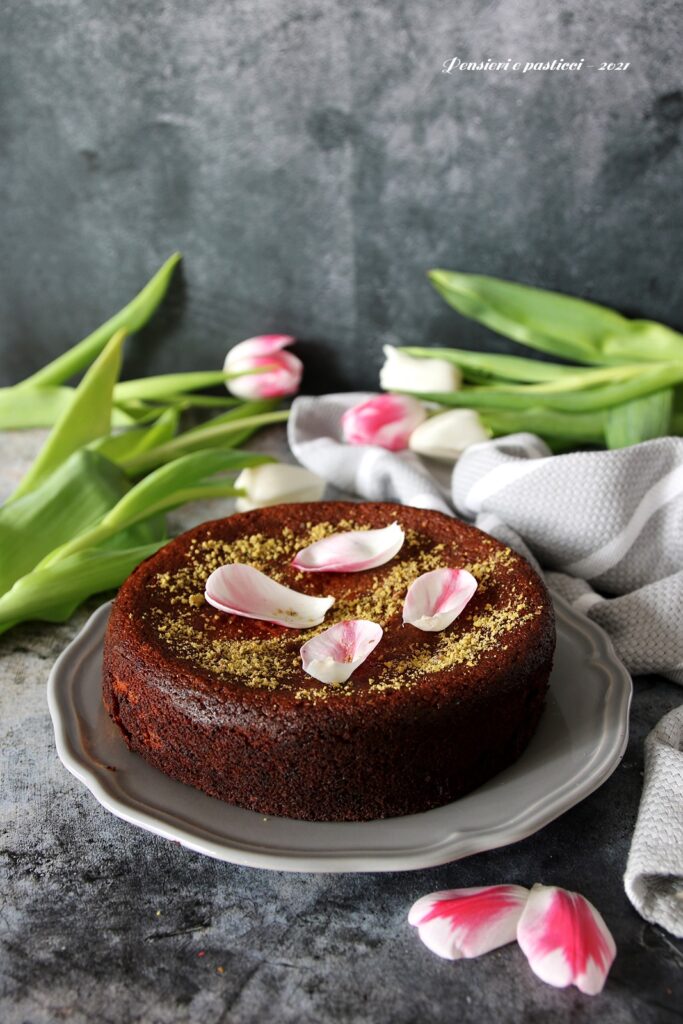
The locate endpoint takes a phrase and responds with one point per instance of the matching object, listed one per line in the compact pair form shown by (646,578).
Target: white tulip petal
(332,656)
(447,435)
(402,372)
(566,940)
(276,483)
(351,552)
(242,590)
(468,922)
(435,599)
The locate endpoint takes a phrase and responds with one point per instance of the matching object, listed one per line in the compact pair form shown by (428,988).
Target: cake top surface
(164,601)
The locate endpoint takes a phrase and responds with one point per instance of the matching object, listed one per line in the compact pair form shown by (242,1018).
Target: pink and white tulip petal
(354,551)
(242,590)
(435,599)
(332,656)
(282,377)
(468,922)
(261,345)
(386,420)
(565,939)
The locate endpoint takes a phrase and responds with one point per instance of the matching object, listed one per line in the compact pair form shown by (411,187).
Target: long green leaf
(145,531)
(589,378)
(519,397)
(676,425)
(119,447)
(184,479)
(158,388)
(71,499)
(255,407)
(501,371)
(159,491)
(482,367)
(560,430)
(52,593)
(20,410)
(139,413)
(249,412)
(639,420)
(191,400)
(203,437)
(87,417)
(131,318)
(42,408)
(559,324)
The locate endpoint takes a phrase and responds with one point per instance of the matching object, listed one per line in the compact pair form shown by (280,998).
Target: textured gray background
(312,162)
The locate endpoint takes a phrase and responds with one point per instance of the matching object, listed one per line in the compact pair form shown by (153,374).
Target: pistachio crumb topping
(262,656)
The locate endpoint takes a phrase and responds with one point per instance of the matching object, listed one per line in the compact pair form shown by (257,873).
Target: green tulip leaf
(639,420)
(52,593)
(561,325)
(132,317)
(88,416)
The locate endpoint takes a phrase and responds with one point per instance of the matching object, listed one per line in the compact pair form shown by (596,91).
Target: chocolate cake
(221,702)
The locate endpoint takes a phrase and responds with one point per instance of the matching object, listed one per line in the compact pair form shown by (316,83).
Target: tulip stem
(198,438)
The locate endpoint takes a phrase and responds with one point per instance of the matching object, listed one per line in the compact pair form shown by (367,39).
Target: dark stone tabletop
(102,922)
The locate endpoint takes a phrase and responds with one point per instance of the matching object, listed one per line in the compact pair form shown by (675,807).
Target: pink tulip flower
(386,420)
(282,377)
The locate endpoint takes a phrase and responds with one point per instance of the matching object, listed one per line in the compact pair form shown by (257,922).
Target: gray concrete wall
(312,161)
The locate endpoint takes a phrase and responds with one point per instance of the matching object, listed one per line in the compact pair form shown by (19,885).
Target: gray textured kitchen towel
(654,872)
(606,528)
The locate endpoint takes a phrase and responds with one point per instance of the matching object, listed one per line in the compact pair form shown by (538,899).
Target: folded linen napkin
(606,528)
(653,878)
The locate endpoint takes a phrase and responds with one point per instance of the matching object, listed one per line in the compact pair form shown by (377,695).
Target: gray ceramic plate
(579,743)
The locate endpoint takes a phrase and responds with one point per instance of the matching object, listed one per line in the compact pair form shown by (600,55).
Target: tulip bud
(282,378)
(402,372)
(275,483)
(386,420)
(446,435)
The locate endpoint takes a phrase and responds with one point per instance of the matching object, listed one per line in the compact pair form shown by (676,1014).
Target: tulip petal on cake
(385,420)
(351,552)
(332,656)
(242,590)
(565,939)
(435,599)
(464,923)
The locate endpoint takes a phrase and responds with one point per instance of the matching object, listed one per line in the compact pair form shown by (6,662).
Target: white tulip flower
(402,372)
(446,435)
(276,483)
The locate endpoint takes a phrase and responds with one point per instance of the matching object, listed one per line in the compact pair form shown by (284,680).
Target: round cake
(222,702)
